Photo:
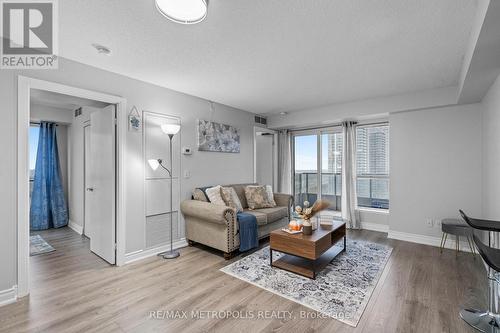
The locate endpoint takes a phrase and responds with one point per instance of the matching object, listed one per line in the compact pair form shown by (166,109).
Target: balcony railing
(373,192)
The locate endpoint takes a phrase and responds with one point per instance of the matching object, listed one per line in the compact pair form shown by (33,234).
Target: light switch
(187,173)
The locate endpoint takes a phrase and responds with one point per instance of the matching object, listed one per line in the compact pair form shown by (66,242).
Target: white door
(87,225)
(265,158)
(102,183)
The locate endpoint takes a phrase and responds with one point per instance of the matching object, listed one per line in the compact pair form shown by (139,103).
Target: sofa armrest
(207,211)
(283,199)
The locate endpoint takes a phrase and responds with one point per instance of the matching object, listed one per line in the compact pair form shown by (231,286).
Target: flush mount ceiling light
(183,11)
(101,49)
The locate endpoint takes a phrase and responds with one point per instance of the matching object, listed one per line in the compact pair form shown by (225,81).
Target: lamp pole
(170,130)
(171,254)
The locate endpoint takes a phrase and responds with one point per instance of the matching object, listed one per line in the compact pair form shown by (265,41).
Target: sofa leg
(228,255)
(191,243)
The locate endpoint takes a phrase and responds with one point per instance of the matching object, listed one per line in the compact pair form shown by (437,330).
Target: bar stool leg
(484,321)
(443,241)
(471,247)
(458,244)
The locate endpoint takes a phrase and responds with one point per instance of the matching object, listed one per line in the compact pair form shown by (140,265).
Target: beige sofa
(216,225)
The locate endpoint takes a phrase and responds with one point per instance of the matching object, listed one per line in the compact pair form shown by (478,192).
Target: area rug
(341,290)
(38,245)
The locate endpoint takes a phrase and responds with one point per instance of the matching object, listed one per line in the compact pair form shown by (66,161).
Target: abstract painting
(218,137)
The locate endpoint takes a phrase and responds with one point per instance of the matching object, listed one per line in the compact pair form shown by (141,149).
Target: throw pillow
(214,195)
(270,195)
(257,197)
(199,195)
(231,198)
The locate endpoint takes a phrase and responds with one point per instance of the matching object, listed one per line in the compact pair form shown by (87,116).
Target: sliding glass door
(331,168)
(305,168)
(317,166)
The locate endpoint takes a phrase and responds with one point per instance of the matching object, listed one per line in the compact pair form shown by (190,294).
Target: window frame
(318,132)
(375,176)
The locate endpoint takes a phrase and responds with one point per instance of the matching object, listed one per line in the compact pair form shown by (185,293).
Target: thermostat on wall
(187,151)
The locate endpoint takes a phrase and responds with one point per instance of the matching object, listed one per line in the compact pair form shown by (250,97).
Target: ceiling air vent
(260,120)
(78,112)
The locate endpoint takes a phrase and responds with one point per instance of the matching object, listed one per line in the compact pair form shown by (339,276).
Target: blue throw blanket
(247,224)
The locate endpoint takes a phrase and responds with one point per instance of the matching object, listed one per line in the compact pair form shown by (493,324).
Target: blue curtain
(48,206)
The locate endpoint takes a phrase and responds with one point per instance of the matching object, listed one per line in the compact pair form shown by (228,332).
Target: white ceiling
(267,56)
(61,101)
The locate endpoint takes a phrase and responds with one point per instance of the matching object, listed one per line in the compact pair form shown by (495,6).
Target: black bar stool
(485,321)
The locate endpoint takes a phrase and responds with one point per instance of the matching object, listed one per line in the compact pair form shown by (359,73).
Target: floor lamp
(170,130)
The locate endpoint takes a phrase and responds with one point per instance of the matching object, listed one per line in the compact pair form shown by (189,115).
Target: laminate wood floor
(72,290)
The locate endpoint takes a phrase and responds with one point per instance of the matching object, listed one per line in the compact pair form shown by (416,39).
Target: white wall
(47,113)
(205,168)
(491,153)
(435,166)
(374,219)
(264,149)
(364,109)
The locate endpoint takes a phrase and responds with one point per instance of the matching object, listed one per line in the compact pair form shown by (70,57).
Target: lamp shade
(154,164)
(183,11)
(170,128)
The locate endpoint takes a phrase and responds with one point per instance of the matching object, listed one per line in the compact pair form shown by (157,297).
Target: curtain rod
(40,122)
(336,125)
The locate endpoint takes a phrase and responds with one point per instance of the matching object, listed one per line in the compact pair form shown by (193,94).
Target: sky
(306,152)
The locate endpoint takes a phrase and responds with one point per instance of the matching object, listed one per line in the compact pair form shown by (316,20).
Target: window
(33,148)
(318,160)
(373,166)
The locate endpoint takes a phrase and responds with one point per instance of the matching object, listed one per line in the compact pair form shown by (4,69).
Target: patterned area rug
(38,245)
(342,290)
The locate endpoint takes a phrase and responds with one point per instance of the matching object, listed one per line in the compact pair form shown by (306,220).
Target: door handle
(90,189)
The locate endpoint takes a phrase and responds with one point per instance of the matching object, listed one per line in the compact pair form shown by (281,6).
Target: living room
(272,165)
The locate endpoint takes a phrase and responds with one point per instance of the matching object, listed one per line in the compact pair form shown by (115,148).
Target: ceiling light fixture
(102,49)
(183,11)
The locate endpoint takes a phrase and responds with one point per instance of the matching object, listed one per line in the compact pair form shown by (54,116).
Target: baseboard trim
(8,296)
(75,227)
(143,254)
(429,240)
(375,227)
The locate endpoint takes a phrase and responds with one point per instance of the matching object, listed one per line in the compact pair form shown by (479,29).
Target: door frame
(24,86)
(275,154)
(318,132)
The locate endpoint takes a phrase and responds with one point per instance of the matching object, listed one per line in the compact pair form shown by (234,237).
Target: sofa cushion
(257,197)
(268,215)
(261,217)
(270,195)
(274,214)
(240,191)
(199,195)
(215,196)
(231,198)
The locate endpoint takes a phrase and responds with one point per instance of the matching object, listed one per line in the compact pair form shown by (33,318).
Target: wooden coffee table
(307,255)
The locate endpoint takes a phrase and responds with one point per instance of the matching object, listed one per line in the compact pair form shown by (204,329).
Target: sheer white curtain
(350,210)
(284,162)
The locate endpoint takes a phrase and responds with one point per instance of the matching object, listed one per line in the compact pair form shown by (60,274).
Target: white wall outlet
(187,173)
(429,222)
(437,223)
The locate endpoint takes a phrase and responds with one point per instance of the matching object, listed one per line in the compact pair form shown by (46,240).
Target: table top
(317,234)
